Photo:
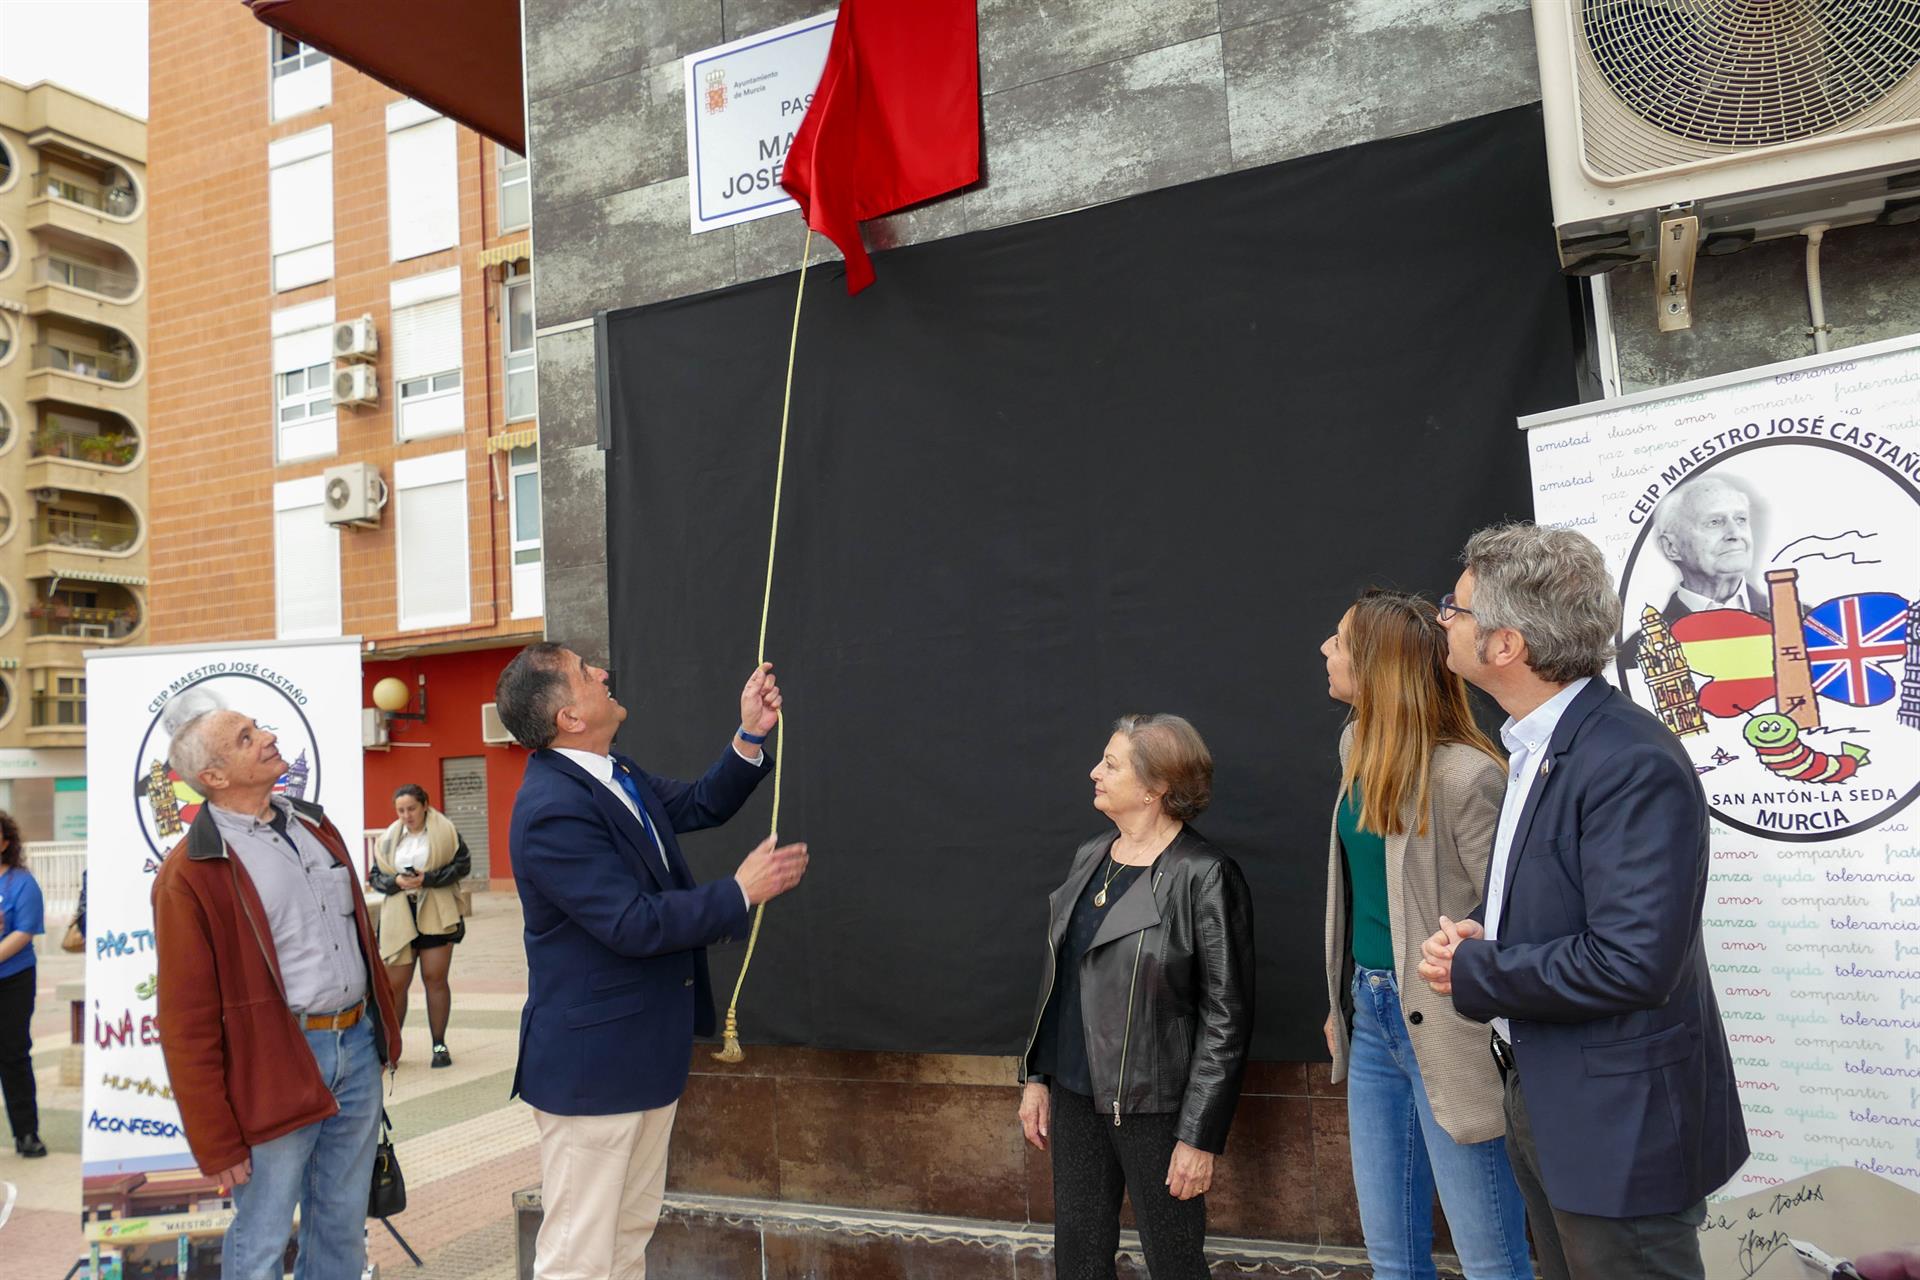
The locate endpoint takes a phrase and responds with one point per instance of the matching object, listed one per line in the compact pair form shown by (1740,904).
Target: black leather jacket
(1166,988)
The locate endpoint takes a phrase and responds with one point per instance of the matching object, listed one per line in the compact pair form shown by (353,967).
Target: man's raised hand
(769,872)
(760,701)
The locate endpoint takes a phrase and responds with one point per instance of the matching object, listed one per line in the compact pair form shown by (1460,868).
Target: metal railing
(56,865)
(102,366)
(82,622)
(105,281)
(84,532)
(59,710)
(118,201)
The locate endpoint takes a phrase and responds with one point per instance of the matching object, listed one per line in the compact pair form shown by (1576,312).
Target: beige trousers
(601,1180)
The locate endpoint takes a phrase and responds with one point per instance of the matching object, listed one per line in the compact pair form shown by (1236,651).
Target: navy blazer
(1600,968)
(617,982)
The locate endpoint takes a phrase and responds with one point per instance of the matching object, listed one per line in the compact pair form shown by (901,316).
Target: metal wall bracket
(1673,268)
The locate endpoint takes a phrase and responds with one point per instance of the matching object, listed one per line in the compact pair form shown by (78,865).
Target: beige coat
(433,911)
(1440,873)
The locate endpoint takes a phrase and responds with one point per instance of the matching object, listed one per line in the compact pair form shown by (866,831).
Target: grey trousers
(1577,1246)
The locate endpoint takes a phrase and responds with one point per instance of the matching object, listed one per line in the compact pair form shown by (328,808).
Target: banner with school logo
(139,808)
(1764,528)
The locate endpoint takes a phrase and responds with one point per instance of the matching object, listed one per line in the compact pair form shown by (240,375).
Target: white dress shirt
(1527,742)
(1700,604)
(601,767)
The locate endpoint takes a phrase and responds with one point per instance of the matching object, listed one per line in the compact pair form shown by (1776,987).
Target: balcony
(65,608)
(116,199)
(95,437)
(74,530)
(81,362)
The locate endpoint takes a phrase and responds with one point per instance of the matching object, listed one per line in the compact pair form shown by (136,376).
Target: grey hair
(186,721)
(1551,586)
(1677,504)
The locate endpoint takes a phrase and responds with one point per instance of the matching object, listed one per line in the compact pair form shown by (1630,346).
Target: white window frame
(280,64)
(417,473)
(308,318)
(297,265)
(429,390)
(300,495)
(299,82)
(517,365)
(513,172)
(527,584)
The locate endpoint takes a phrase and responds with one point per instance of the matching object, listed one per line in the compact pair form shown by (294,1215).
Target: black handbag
(388,1195)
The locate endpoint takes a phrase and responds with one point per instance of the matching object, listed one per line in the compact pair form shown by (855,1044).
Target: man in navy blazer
(616,938)
(1586,955)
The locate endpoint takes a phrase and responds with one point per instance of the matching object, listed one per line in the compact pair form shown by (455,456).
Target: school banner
(138,809)
(1764,528)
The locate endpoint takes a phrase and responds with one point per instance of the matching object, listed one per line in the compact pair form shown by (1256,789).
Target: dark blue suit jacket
(617,982)
(1600,969)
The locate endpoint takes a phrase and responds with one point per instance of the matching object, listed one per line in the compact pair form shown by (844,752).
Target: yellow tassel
(731,1051)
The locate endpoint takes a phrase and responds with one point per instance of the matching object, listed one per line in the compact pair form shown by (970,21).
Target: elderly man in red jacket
(273,1017)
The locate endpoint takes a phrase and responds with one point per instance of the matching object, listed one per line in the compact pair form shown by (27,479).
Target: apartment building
(74,534)
(343,394)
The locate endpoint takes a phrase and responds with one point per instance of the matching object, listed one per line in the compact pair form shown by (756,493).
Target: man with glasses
(1586,955)
(275,1016)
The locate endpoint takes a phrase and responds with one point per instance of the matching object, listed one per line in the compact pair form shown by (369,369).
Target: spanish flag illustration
(1731,653)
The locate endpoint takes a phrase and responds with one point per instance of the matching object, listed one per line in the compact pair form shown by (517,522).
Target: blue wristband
(757,739)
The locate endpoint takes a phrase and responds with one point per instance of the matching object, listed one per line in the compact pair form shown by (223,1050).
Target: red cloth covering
(894,121)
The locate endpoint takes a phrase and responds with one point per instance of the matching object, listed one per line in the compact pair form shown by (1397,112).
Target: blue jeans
(326,1168)
(1400,1152)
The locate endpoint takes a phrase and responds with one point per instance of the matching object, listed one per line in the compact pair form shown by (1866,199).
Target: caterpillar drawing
(1776,740)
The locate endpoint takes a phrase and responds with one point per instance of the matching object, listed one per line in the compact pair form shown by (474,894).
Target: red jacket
(237,1057)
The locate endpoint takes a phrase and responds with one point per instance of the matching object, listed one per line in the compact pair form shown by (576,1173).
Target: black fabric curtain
(1135,458)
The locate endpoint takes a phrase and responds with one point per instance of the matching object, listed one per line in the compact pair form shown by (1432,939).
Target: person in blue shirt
(22,915)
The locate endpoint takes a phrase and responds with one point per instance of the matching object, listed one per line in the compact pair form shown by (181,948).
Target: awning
(94,575)
(460,57)
(507,441)
(518,251)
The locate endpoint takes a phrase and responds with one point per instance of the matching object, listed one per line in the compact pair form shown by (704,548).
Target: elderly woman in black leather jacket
(1146,1009)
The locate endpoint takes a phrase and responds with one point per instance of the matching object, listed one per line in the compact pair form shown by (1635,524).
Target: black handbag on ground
(388,1196)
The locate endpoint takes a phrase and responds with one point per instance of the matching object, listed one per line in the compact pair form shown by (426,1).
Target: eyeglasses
(1449,607)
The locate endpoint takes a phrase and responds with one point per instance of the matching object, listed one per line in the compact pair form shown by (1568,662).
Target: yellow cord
(730,1050)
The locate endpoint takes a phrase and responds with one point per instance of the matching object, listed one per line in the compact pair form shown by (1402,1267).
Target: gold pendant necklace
(1100,898)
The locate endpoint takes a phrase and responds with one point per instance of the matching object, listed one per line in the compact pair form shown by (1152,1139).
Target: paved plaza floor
(464,1146)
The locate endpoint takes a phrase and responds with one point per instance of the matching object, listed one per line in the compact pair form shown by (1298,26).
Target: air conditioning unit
(492,731)
(1759,121)
(373,729)
(355,339)
(354,494)
(355,384)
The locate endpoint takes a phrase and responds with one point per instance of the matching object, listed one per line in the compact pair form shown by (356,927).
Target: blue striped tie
(632,788)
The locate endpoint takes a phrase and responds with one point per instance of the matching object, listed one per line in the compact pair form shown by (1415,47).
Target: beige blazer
(1440,873)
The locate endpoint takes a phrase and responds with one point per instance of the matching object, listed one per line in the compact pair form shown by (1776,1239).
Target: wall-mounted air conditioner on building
(355,339)
(492,731)
(355,384)
(354,494)
(373,728)
(1757,120)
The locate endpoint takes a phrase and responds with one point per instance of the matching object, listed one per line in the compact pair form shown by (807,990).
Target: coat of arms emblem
(716,91)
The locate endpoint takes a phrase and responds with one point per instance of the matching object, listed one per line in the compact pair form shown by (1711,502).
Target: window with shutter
(300,208)
(426,369)
(430,495)
(306,562)
(516,346)
(523,516)
(423,182)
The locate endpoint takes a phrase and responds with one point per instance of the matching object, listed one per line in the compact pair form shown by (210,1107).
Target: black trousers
(16,1051)
(1578,1246)
(1094,1164)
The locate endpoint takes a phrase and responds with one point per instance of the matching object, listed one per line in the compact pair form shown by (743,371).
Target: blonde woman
(419,863)
(1420,793)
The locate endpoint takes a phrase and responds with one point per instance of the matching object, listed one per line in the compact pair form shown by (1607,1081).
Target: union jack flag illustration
(1847,638)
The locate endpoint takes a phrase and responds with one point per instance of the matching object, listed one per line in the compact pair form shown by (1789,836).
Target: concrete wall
(1083,101)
